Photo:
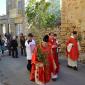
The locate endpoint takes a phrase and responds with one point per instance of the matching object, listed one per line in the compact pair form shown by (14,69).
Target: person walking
(30,45)
(72,50)
(54,46)
(42,63)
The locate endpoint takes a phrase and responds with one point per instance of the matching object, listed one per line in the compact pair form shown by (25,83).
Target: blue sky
(2,7)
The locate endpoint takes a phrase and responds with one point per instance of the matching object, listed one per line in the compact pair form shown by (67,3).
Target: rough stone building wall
(73,18)
(82,21)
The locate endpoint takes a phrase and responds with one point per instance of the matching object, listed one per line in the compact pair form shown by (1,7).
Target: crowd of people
(11,43)
(42,70)
(42,59)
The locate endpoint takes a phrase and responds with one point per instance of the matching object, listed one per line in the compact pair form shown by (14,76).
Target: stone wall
(73,18)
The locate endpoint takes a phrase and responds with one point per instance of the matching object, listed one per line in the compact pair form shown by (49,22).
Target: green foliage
(42,56)
(79,37)
(38,15)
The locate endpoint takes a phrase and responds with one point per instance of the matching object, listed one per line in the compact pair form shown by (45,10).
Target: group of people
(11,43)
(42,59)
(42,70)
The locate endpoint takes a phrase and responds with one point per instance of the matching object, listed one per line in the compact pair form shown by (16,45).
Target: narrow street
(14,72)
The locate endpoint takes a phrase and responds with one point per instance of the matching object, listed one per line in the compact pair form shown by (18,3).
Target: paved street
(13,72)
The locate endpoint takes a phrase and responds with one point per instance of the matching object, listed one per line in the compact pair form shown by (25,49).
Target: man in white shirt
(30,45)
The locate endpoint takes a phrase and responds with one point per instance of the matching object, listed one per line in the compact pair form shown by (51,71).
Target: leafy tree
(38,15)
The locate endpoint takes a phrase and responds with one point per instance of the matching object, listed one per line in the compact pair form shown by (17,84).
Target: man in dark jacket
(22,44)
(14,45)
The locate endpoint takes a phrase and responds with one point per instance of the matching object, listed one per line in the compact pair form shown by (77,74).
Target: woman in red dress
(41,70)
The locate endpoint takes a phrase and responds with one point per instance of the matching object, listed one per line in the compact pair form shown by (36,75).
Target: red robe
(44,72)
(55,54)
(74,53)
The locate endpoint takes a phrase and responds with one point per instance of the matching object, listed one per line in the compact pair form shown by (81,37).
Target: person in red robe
(41,72)
(54,46)
(72,51)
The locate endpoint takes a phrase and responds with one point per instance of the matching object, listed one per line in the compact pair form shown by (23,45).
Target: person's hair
(55,34)
(21,34)
(74,32)
(51,33)
(30,35)
(46,38)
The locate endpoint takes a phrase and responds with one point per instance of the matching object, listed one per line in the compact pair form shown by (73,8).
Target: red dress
(74,53)
(40,73)
(55,54)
